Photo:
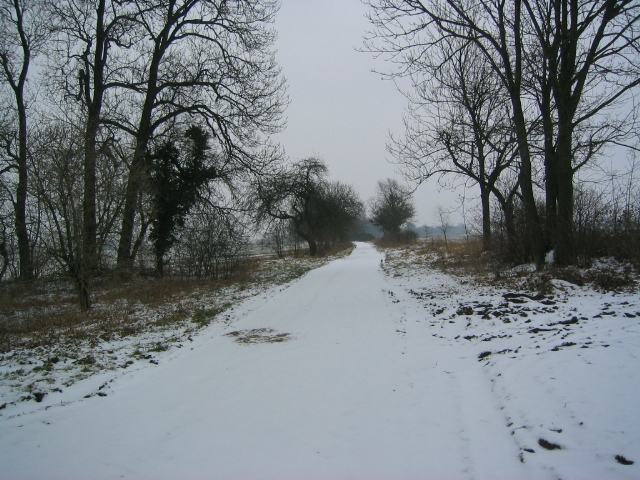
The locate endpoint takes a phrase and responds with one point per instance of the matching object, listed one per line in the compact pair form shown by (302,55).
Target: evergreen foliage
(179,172)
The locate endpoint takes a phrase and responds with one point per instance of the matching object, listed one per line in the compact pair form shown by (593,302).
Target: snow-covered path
(358,392)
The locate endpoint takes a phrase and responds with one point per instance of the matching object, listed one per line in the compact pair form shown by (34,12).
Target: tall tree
(24,31)
(590,53)
(458,125)
(92,58)
(580,58)
(208,59)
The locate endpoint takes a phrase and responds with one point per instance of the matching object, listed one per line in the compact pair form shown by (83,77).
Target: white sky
(340,110)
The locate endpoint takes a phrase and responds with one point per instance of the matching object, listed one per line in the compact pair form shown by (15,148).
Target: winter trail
(358,392)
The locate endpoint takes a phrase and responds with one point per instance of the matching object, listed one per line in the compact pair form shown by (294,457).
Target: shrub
(609,278)
(405,237)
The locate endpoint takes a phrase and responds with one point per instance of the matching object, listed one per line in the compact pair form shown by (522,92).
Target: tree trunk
(80,280)
(17,85)
(4,253)
(159,265)
(525,175)
(93,95)
(313,245)
(134,185)
(510,226)
(564,238)
(550,168)
(566,105)
(137,170)
(525,178)
(22,232)
(89,225)
(486,217)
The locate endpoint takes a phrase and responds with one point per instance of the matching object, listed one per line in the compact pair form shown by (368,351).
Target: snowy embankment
(365,368)
(562,368)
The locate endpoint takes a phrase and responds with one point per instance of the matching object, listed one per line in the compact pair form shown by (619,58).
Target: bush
(606,224)
(609,278)
(211,248)
(510,243)
(406,237)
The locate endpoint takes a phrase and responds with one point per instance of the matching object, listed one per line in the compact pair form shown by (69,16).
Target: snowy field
(370,367)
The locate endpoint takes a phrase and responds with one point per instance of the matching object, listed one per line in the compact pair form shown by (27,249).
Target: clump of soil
(624,461)
(548,445)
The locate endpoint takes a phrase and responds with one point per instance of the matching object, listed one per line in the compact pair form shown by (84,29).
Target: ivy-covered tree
(179,172)
(208,60)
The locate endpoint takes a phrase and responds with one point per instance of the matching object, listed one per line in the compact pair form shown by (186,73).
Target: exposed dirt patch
(259,335)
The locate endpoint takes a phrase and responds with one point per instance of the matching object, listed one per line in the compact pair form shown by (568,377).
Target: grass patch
(456,257)
(397,240)
(45,314)
(46,342)
(203,317)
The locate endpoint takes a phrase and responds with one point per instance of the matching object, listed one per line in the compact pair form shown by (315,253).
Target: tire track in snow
(471,420)
(348,397)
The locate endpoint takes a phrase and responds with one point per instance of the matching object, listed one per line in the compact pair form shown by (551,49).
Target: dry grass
(456,248)
(44,313)
(153,292)
(455,256)
(466,258)
(395,241)
(33,318)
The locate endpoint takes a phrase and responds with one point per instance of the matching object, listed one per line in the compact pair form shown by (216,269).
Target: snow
(375,380)
(550,258)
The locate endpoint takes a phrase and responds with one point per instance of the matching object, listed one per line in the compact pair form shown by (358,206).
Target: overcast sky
(340,110)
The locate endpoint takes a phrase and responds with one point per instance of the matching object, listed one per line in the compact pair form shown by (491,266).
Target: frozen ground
(366,368)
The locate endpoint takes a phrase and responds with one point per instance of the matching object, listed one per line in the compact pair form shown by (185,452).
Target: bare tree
(92,60)
(579,59)
(58,187)
(444,223)
(458,124)
(57,166)
(24,30)
(320,212)
(209,59)
(212,245)
(277,237)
